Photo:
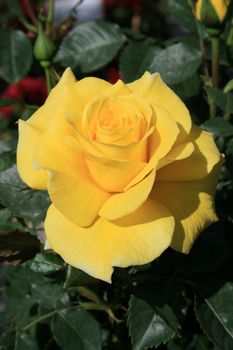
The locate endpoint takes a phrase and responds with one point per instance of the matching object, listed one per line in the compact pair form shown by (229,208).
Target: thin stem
(214,72)
(48,79)
(31,13)
(39,319)
(50,17)
(215,61)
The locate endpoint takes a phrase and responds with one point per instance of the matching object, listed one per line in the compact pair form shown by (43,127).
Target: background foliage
(176,302)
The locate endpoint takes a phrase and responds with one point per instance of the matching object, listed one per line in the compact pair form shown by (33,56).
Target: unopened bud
(43,48)
(212,13)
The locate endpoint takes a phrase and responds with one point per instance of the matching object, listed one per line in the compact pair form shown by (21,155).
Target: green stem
(50,17)
(214,72)
(39,319)
(215,61)
(48,79)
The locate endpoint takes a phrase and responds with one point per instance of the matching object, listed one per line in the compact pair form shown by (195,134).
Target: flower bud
(211,12)
(43,48)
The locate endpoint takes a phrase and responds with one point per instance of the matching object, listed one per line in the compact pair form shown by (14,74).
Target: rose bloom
(127,172)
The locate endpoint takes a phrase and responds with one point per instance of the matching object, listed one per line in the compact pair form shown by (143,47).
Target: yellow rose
(127,172)
(211,11)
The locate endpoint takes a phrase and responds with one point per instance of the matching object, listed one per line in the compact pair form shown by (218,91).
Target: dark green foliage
(14,47)
(177,302)
(90,46)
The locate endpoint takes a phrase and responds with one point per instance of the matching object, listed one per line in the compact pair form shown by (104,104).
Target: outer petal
(51,151)
(42,117)
(77,197)
(192,204)
(199,164)
(125,203)
(152,88)
(28,137)
(134,240)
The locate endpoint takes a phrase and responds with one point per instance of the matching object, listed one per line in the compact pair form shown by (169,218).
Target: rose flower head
(127,172)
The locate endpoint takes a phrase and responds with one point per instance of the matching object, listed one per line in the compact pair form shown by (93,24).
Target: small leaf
(46,263)
(7,101)
(90,46)
(149,329)
(229,150)
(47,294)
(78,278)
(183,12)
(25,341)
(76,329)
(223,100)
(17,311)
(14,47)
(135,60)
(176,63)
(219,127)
(214,311)
(23,202)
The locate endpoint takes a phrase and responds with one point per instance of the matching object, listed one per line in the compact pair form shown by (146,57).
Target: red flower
(30,89)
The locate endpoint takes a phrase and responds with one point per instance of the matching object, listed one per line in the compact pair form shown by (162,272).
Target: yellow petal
(152,88)
(178,152)
(28,138)
(198,165)
(52,152)
(220,7)
(88,89)
(111,174)
(192,204)
(42,117)
(125,203)
(77,197)
(134,240)
(159,143)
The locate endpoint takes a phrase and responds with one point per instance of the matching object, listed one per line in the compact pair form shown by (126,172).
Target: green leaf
(223,100)
(77,278)
(161,301)
(183,12)
(6,146)
(214,310)
(229,150)
(6,227)
(23,202)
(7,341)
(135,60)
(176,63)
(25,341)
(76,329)
(90,46)
(18,306)
(14,47)
(188,88)
(149,329)
(46,294)
(219,127)
(7,101)
(46,263)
